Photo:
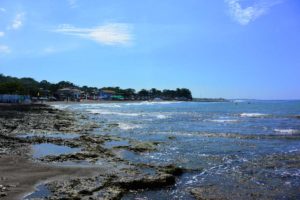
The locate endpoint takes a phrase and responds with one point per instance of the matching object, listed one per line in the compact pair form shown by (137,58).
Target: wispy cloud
(248,14)
(2,33)
(108,34)
(18,21)
(53,49)
(2,10)
(73,3)
(4,49)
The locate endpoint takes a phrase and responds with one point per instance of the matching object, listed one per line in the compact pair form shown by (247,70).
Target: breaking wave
(161,116)
(106,112)
(287,131)
(104,105)
(125,126)
(254,115)
(143,103)
(60,106)
(224,120)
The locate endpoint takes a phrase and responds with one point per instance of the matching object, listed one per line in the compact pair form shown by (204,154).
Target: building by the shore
(71,94)
(14,98)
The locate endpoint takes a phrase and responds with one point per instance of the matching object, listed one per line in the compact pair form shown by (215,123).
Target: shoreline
(20,174)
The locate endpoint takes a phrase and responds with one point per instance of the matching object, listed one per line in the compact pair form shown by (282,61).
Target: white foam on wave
(125,126)
(161,116)
(253,115)
(224,120)
(103,105)
(151,103)
(287,131)
(106,112)
(60,106)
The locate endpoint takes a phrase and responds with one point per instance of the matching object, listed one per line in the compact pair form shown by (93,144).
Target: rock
(3,194)
(172,169)
(207,193)
(67,157)
(110,193)
(143,146)
(171,137)
(145,182)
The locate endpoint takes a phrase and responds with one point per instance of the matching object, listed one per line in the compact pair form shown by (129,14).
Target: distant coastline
(18,90)
(210,100)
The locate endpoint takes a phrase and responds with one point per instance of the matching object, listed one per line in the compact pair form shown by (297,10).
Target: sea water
(236,150)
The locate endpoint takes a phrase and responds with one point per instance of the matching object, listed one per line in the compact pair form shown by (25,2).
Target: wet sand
(19,176)
(18,173)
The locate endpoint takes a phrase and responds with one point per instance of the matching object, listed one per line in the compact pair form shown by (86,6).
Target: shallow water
(45,149)
(249,149)
(51,135)
(41,192)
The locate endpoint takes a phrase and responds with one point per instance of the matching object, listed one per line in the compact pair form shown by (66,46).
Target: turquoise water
(238,150)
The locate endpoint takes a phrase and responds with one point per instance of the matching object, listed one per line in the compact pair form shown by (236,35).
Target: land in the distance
(68,91)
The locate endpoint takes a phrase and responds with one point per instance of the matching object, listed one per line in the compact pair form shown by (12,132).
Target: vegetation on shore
(29,86)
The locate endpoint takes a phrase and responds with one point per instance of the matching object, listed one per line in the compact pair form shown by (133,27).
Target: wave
(151,103)
(104,105)
(160,116)
(224,120)
(287,131)
(60,106)
(125,126)
(254,115)
(127,114)
(106,112)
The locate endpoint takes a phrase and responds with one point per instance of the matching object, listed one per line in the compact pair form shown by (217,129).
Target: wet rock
(145,182)
(206,194)
(3,194)
(90,139)
(143,146)
(171,137)
(172,169)
(68,157)
(110,193)
(112,125)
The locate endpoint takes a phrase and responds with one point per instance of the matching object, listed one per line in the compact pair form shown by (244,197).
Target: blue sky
(220,48)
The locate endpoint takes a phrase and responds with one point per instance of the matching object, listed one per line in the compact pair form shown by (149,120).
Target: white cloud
(2,10)
(108,34)
(2,33)
(18,21)
(4,49)
(245,15)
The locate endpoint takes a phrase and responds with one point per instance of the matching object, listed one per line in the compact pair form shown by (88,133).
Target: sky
(220,48)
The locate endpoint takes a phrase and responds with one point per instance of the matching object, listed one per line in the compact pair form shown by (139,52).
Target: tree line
(29,86)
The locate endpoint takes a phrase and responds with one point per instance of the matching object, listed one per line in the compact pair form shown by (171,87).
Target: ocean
(237,150)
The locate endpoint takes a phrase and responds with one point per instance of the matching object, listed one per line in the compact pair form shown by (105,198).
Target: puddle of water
(41,191)
(44,149)
(54,135)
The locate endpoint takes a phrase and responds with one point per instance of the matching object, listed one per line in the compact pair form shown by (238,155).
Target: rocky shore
(95,172)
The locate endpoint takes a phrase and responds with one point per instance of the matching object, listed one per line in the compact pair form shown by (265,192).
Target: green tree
(11,88)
